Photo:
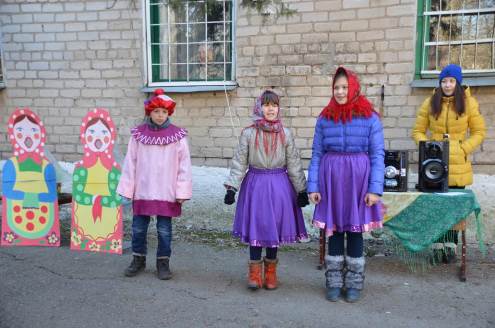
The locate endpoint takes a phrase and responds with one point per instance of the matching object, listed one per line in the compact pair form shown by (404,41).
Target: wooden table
(398,204)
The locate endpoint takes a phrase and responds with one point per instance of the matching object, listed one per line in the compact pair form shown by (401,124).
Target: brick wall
(65,57)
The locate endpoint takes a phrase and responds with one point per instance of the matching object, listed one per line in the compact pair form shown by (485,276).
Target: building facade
(63,58)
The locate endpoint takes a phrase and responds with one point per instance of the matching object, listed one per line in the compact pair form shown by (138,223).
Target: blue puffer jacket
(358,136)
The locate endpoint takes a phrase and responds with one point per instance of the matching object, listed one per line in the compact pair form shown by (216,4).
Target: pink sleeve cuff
(125,188)
(184,190)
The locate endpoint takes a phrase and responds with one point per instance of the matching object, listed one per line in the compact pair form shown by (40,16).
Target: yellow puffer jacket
(460,170)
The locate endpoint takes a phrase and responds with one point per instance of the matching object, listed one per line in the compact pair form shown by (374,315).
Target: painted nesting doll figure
(96,207)
(29,186)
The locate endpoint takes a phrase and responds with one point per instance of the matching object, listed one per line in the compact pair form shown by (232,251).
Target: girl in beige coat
(272,190)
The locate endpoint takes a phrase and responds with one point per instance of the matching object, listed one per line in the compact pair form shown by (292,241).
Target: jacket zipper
(447,120)
(344,137)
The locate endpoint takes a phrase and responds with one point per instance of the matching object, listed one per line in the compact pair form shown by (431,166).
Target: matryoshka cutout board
(96,206)
(29,186)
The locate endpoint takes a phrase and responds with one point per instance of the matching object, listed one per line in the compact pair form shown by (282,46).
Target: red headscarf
(106,157)
(38,153)
(357,104)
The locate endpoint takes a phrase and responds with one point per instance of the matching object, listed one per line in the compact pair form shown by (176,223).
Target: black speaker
(396,170)
(433,170)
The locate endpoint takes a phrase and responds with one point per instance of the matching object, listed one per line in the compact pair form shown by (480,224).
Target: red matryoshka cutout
(96,206)
(29,186)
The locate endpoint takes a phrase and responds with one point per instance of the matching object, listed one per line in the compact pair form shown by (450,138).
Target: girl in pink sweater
(157,177)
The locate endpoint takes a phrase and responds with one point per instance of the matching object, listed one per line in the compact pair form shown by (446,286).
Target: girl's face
(97,137)
(27,135)
(159,115)
(448,86)
(340,89)
(270,111)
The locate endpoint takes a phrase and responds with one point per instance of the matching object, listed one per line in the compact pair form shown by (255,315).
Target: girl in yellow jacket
(452,111)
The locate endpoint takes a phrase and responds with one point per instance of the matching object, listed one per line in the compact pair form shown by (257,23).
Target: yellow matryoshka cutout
(96,206)
(29,186)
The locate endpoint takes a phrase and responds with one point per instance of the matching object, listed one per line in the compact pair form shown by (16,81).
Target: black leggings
(354,244)
(255,253)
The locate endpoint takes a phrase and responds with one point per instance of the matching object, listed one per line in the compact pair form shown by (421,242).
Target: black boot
(163,269)
(449,253)
(137,265)
(436,256)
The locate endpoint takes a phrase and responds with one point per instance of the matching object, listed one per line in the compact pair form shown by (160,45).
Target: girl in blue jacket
(346,181)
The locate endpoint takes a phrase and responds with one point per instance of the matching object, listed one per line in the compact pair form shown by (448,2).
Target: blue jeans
(140,225)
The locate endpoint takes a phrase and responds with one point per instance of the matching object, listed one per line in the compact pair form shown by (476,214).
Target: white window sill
(228,86)
(469,81)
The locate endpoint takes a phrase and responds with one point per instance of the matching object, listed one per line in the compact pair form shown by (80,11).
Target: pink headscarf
(270,129)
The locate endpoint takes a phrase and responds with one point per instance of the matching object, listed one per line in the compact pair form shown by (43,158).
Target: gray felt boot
(334,276)
(354,278)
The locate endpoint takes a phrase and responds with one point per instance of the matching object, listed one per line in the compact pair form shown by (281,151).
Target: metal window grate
(458,32)
(2,74)
(2,80)
(192,43)
(1,67)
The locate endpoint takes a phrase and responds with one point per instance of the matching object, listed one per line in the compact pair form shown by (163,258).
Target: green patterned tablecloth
(419,219)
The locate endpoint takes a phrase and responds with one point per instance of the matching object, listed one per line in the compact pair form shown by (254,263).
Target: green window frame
(190,43)
(458,32)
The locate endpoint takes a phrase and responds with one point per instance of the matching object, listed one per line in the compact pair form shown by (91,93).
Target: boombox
(396,170)
(433,170)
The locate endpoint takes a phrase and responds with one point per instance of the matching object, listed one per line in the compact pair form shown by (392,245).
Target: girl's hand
(314,197)
(180,201)
(371,199)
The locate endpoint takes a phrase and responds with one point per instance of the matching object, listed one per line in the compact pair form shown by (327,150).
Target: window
(190,43)
(458,32)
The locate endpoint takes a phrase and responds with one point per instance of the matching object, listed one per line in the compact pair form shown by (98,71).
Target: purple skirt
(343,182)
(267,214)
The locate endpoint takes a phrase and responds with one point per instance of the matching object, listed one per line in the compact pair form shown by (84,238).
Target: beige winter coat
(248,154)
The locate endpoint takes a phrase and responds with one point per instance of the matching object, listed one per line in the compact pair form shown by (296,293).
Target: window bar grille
(436,39)
(450,36)
(458,12)
(462,39)
(224,43)
(425,23)
(187,41)
(206,41)
(493,46)
(465,42)
(476,44)
(169,68)
(149,44)
(460,44)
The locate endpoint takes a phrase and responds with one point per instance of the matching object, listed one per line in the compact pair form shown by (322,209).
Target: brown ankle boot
(137,265)
(270,273)
(254,279)
(163,268)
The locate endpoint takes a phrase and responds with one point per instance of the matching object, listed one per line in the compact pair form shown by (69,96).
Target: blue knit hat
(451,70)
